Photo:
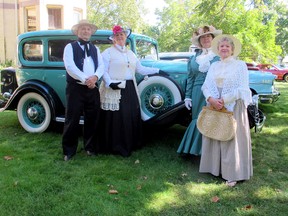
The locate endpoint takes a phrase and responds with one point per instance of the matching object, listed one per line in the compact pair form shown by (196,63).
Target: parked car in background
(260,83)
(281,73)
(37,90)
(281,66)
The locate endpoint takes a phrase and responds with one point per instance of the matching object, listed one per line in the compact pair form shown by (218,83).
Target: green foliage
(260,25)
(105,13)
(282,27)
(254,27)
(175,27)
(34,179)
(7,63)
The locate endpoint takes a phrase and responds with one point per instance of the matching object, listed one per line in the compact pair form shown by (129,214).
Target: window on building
(77,15)
(54,18)
(31,19)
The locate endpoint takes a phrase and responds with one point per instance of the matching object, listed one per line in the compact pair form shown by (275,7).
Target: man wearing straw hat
(84,67)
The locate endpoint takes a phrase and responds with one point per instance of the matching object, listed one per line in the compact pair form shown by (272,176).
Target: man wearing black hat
(84,67)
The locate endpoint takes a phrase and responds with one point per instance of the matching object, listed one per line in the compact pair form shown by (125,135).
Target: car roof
(68,32)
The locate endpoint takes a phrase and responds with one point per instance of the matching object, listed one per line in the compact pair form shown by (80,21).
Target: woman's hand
(216,103)
(188,103)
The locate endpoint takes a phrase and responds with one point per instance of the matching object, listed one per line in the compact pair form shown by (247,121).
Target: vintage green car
(38,95)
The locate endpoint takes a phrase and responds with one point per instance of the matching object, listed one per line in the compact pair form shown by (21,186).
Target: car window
(102,44)
(56,49)
(146,50)
(33,50)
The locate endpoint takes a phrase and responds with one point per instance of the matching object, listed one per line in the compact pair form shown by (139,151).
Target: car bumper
(269,98)
(3,101)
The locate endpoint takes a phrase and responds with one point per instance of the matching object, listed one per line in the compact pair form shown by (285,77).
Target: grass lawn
(34,179)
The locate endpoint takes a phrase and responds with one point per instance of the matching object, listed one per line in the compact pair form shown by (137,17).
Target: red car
(282,74)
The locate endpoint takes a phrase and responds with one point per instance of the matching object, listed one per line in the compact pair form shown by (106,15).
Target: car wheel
(157,93)
(33,113)
(285,78)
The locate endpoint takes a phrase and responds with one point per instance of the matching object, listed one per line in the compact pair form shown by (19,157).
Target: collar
(227,60)
(120,48)
(83,42)
(206,51)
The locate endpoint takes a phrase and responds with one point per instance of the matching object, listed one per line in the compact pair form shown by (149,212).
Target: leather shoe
(90,153)
(67,157)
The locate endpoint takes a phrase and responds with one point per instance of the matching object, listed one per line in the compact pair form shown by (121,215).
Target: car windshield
(146,50)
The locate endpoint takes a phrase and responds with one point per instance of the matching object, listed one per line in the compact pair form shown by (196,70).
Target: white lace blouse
(204,59)
(232,77)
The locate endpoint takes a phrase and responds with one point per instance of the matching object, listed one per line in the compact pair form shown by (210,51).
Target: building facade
(19,16)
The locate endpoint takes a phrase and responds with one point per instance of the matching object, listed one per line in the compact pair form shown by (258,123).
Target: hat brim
(237,44)
(127,32)
(75,28)
(195,40)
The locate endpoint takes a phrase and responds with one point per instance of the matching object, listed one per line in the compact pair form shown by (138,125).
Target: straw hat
(117,29)
(204,31)
(83,22)
(230,38)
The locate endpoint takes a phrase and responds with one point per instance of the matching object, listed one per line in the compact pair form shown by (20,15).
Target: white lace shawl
(204,60)
(234,83)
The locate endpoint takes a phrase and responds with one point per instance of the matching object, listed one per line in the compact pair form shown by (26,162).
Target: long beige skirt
(231,159)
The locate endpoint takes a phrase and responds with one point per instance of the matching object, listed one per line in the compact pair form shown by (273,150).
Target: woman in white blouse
(121,116)
(227,84)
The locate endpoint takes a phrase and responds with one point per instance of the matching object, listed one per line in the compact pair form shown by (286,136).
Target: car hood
(166,65)
(255,76)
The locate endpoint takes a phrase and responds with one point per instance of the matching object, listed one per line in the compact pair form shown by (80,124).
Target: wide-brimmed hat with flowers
(204,31)
(117,29)
(83,22)
(229,38)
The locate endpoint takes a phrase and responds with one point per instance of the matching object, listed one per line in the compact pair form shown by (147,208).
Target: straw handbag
(216,124)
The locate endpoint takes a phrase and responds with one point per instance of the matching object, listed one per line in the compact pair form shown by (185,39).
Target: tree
(105,13)
(260,25)
(282,27)
(251,25)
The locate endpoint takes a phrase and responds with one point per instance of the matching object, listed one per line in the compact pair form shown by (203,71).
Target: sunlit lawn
(153,181)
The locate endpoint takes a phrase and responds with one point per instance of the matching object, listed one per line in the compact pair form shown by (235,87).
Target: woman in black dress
(120,103)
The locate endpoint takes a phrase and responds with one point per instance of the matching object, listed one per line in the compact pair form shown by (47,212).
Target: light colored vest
(118,65)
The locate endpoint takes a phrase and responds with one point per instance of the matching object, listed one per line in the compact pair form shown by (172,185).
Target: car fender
(41,88)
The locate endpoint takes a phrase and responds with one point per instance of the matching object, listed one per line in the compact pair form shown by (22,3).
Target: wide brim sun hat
(236,42)
(83,22)
(117,29)
(204,31)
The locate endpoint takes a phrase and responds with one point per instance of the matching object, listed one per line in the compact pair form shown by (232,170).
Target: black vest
(79,56)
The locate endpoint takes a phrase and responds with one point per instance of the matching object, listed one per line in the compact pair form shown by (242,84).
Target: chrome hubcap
(32,113)
(156,101)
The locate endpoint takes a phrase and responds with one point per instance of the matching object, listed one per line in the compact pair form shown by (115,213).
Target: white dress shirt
(88,67)
(129,76)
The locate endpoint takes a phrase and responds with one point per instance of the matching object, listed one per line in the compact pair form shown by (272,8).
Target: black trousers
(81,101)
